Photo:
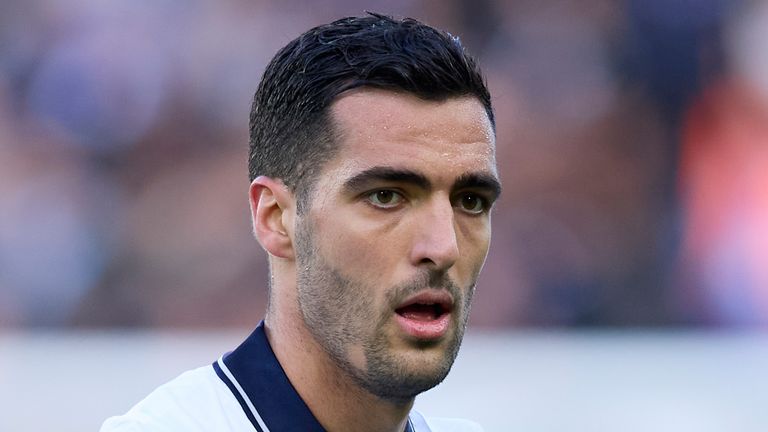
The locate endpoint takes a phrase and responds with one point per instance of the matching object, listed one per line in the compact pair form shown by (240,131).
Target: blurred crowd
(632,144)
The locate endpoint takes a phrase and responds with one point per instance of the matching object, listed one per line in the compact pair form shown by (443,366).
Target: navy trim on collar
(409,425)
(253,369)
(244,405)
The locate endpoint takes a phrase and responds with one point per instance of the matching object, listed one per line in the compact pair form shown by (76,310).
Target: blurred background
(632,143)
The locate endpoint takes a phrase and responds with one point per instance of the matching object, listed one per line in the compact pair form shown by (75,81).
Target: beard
(342,314)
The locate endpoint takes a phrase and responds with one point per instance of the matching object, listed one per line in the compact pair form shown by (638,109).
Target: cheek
(359,253)
(475,241)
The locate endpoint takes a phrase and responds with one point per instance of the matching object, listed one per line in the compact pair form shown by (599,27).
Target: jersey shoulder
(195,401)
(439,424)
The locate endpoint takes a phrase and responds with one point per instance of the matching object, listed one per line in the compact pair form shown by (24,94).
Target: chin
(405,386)
(401,376)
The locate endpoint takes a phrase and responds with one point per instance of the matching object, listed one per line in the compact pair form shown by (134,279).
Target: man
(372,178)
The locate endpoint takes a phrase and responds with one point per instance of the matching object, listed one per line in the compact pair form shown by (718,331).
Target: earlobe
(272,205)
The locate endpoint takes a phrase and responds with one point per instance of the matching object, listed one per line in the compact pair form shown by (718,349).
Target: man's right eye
(385,198)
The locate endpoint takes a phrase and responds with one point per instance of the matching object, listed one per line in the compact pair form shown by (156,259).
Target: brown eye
(385,198)
(472,203)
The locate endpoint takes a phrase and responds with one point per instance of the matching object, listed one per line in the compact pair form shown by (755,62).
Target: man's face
(396,233)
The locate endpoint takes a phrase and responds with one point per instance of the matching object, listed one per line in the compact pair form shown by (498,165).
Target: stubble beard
(341,314)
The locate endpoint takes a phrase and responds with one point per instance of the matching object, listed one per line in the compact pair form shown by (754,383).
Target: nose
(435,243)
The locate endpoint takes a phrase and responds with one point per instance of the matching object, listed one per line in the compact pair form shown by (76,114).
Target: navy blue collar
(260,385)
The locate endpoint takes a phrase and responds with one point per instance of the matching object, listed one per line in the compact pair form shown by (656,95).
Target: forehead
(439,138)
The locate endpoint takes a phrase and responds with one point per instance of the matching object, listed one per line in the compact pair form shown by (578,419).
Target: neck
(335,400)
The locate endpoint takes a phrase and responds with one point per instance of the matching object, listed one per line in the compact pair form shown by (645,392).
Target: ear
(272,212)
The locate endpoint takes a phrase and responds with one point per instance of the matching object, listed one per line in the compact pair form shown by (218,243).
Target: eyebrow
(360,180)
(469,180)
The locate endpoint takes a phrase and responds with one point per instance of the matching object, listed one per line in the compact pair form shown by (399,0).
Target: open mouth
(425,315)
(421,311)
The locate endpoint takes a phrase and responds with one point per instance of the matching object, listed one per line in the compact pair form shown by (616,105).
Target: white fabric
(437,424)
(198,401)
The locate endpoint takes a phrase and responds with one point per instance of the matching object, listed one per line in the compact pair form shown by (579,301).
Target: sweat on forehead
(378,106)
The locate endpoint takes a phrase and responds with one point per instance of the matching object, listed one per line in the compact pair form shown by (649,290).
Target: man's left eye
(472,203)
(385,198)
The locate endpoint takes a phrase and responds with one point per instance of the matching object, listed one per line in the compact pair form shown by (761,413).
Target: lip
(428,329)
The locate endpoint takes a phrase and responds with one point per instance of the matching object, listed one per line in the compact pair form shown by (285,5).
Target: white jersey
(245,390)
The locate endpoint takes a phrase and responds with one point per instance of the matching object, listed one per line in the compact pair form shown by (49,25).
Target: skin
(403,208)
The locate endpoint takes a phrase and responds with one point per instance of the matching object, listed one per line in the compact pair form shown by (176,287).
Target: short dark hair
(291,135)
